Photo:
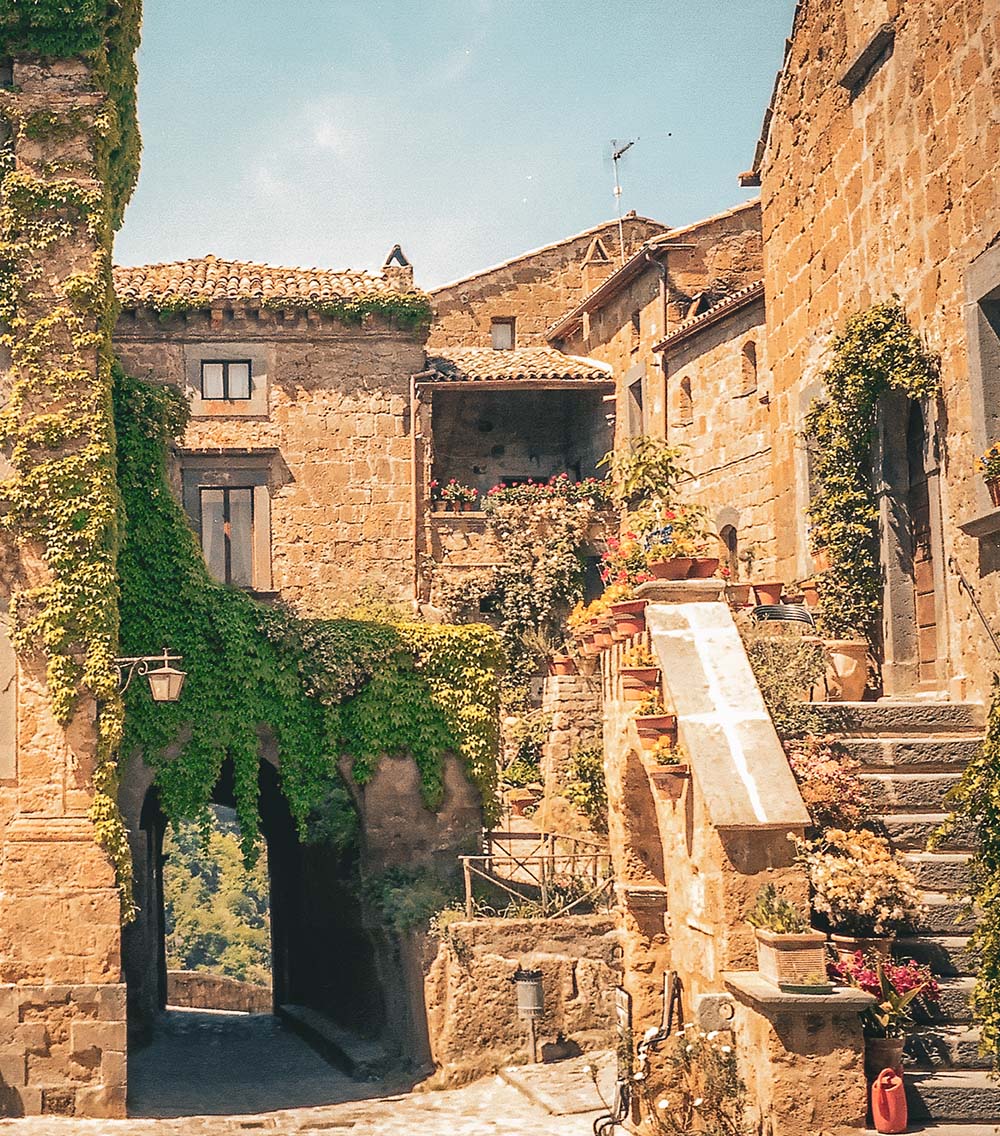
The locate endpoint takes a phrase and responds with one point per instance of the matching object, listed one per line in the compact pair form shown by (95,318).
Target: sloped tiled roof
(518,364)
(208,279)
(730,303)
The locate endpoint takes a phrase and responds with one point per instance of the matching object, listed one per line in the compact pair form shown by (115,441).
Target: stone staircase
(911,754)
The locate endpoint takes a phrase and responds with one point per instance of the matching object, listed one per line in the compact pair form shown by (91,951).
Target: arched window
(730,557)
(749,367)
(685,403)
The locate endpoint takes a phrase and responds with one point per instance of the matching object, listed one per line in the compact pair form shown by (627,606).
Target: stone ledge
(986,524)
(710,590)
(754,988)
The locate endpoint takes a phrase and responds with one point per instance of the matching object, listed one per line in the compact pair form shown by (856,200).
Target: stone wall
(470,998)
(725,258)
(726,434)
(574,702)
(899,197)
(62,1008)
(333,427)
(200,990)
(534,289)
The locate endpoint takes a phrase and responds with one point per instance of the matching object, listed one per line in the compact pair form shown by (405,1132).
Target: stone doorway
(911,547)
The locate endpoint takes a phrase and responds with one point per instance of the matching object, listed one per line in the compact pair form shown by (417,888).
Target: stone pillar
(62,1003)
(574,701)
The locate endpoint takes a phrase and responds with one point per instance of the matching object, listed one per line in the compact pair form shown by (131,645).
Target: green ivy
(406,310)
(976,800)
(323,688)
(876,352)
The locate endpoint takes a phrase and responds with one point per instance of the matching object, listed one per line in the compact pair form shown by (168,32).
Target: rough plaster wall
(536,289)
(338,412)
(899,196)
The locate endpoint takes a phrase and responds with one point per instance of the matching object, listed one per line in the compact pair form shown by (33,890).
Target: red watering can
(889,1102)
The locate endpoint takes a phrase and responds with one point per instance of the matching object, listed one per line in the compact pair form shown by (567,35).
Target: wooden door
(918,508)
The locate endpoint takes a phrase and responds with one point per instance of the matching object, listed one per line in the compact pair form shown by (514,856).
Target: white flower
(712,1035)
(638,1076)
(588,1069)
(727,1049)
(698,1102)
(689,1049)
(662,1103)
(650,1033)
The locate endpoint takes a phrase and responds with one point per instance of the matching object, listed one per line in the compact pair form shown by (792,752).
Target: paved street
(211,1073)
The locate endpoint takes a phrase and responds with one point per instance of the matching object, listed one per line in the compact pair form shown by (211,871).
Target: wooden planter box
(795,963)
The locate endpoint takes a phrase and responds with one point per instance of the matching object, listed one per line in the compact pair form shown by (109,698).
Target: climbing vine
(976,801)
(61,501)
(407,310)
(877,351)
(322,688)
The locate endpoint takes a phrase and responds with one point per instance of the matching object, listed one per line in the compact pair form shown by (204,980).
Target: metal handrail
(964,583)
(541,871)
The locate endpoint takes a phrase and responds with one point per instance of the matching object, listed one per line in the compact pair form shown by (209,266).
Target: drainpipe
(415,488)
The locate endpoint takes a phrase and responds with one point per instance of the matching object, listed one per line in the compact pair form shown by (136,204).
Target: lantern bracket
(131,665)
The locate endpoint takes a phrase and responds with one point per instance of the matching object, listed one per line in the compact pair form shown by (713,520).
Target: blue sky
(321,132)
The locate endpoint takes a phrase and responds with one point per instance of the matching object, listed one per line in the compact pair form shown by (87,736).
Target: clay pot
(669,779)
(703,567)
(769,592)
(439,506)
(637,682)
(847,946)
(562,665)
(585,643)
(676,568)
(821,560)
(738,595)
(847,669)
(993,488)
(629,618)
(810,594)
(651,726)
(883,1053)
(602,636)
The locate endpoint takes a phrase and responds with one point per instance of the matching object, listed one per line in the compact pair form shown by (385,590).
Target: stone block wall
(574,702)
(534,289)
(337,419)
(201,990)
(470,998)
(899,197)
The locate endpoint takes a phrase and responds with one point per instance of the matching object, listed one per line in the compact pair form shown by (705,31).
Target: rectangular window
(225,379)
(227,534)
(502,334)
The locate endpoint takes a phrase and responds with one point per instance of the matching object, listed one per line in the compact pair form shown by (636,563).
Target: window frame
(503,321)
(227,536)
(226,364)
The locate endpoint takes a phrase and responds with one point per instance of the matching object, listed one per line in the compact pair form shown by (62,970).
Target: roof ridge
(732,300)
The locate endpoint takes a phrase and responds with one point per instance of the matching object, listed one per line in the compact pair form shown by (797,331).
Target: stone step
(910,832)
(946,913)
(940,1046)
(923,752)
(954,1007)
(940,871)
(953,1094)
(901,718)
(947,955)
(909,792)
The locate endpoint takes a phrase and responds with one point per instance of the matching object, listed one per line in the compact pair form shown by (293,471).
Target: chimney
(398,270)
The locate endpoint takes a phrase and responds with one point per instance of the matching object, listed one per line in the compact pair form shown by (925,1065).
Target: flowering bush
(457,493)
(592,490)
(989,464)
(624,561)
(651,706)
(640,656)
(666,751)
(666,531)
(858,883)
(689,1083)
(828,780)
(896,986)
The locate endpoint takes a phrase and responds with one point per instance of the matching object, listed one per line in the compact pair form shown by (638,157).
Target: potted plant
(652,719)
(769,591)
(640,673)
(989,467)
(667,768)
(460,497)
(862,889)
(790,953)
(847,669)
(896,987)
(438,503)
(705,564)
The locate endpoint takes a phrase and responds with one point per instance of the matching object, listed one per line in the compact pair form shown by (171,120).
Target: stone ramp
(566,1088)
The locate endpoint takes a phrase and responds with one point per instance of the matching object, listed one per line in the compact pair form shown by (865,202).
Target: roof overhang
(714,314)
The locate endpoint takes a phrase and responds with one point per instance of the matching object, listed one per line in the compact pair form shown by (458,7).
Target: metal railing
(552,872)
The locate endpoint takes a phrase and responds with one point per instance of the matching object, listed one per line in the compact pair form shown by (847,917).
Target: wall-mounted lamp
(165,681)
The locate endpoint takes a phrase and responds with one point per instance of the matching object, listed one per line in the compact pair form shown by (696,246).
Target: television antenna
(617,152)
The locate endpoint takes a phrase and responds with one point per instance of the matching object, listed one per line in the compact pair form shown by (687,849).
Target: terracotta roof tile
(485,364)
(727,304)
(209,279)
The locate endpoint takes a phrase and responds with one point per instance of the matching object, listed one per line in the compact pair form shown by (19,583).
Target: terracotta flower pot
(562,665)
(847,946)
(769,592)
(703,567)
(810,594)
(847,669)
(797,960)
(738,595)
(629,618)
(669,779)
(655,724)
(602,636)
(585,644)
(638,682)
(676,568)
(883,1053)
(821,560)
(993,488)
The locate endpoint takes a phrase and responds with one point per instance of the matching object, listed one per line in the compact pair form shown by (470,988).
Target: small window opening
(730,554)
(749,367)
(227,534)
(636,331)
(502,334)
(685,403)
(636,413)
(225,379)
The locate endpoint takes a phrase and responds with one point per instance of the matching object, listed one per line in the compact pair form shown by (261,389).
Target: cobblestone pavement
(212,1074)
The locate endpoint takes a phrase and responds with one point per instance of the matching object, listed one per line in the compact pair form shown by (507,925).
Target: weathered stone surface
(200,990)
